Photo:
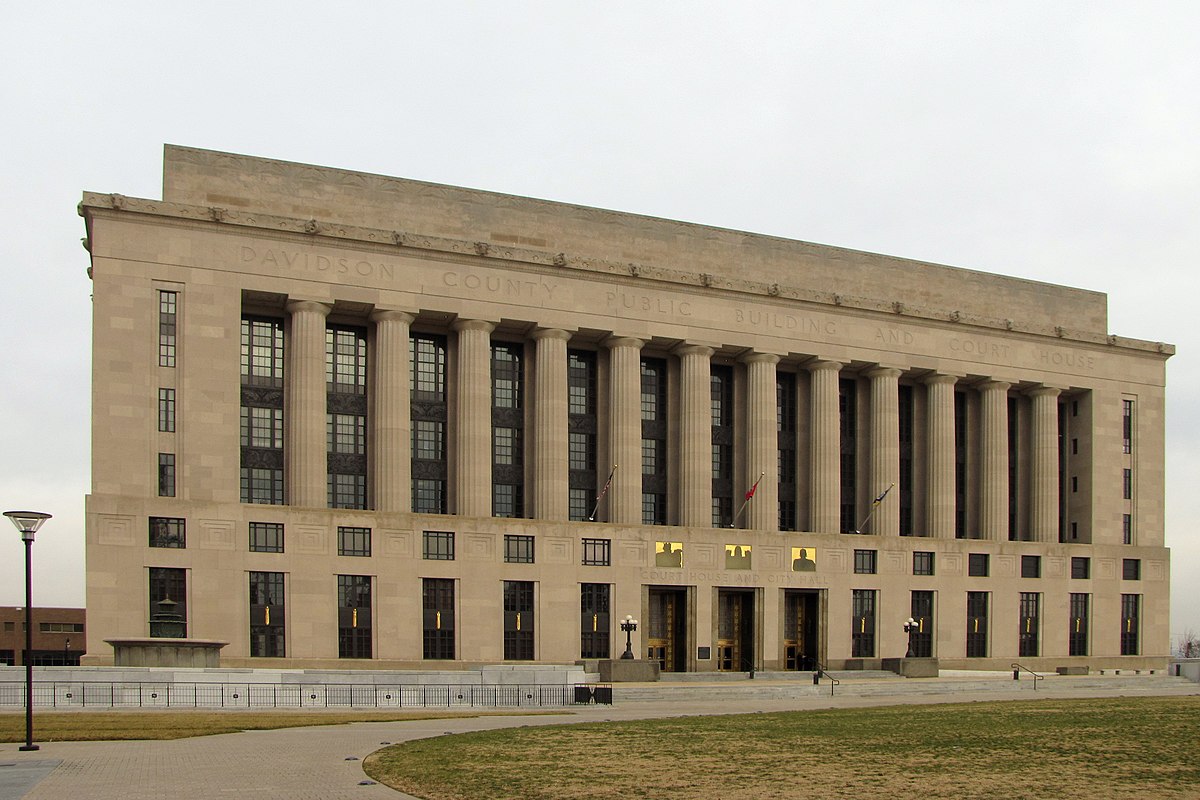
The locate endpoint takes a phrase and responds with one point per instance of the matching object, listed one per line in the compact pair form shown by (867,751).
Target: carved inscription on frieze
(778,321)
(282,258)
(519,288)
(633,301)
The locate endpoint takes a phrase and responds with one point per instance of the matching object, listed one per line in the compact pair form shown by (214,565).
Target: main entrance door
(666,637)
(735,630)
(800,616)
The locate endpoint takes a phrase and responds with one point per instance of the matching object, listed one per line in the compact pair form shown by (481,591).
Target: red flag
(753,489)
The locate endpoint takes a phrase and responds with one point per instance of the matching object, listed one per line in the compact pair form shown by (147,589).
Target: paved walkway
(325,763)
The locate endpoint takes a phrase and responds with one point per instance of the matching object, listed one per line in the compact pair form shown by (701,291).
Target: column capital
(1044,391)
(392,315)
(760,358)
(822,364)
(313,306)
(624,341)
(483,325)
(688,349)
(993,385)
(884,372)
(939,379)
(550,333)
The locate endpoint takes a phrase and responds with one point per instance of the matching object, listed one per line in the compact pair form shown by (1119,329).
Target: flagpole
(604,491)
(746,502)
(874,505)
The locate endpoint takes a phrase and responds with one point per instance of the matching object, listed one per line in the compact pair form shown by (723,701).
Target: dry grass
(1109,748)
(90,726)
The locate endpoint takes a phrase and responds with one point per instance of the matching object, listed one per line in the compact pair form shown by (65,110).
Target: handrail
(1016,668)
(822,671)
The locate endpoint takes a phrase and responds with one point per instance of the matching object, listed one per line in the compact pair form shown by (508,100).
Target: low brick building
(58,636)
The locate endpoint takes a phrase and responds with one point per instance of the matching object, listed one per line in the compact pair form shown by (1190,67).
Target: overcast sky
(1054,141)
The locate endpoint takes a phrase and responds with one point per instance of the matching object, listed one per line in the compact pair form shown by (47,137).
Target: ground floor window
(594,620)
(518,620)
(977,624)
(862,636)
(354,616)
(1078,634)
(1031,605)
(267,626)
(168,603)
(921,611)
(437,619)
(1130,618)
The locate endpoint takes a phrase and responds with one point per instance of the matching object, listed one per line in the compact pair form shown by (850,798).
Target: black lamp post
(27,523)
(629,625)
(911,627)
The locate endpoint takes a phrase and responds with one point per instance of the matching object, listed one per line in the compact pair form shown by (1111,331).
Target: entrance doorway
(801,613)
(666,636)
(735,630)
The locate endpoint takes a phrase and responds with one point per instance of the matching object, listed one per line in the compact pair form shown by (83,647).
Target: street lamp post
(911,627)
(629,625)
(27,523)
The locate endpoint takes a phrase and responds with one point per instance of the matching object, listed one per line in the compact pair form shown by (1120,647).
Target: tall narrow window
(593,620)
(581,432)
(1127,528)
(862,634)
(354,616)
(921,611)
(518,621)
(437,625)
(428,409)
(166,474)
(654,441)
(1013,484)
(960,465)
(721,382)
(508,429)
(166,410)
(1130,621)
(785,424)
(346,416)
(267,618)
(848,434)
(262,410)
(1127,425)
(1078,633)
(905,410)
(168,603)
(977,624)
(1031,604)
(1127,483)
(167,316)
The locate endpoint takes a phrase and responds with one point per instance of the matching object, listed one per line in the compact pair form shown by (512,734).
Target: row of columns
(391,439)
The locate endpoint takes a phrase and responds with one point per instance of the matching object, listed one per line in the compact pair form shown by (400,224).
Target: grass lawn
(90,726)
(1110,748)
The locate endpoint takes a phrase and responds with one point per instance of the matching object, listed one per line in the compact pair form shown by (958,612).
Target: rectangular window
(1127,484)
(593,620)
(1131,569)
(167,316)
(1130,621)
(168,532)
(262,352)
(346,416)
(721,398)
(346,360)
(57,627)
(354,541)
(977,624)
(262,428)
(437,626)
(262,371)
(865,562)
(848,443)
(346,433)
(862,634)
(1031,603)
(597,552)
(1078,633)
(1031,566)
(1127,528)
(905,485)
(262,485)
(266,537)
(921,611)
(429,414)
(346,490)
(582,426)
(168,603)
(785,424)
(508,425)
(354,616)
(1081,568)
(166,410)
(654,441)
(437,545)
(267,616)
(1074,483)
(518,549)
(518,620)
(978,565)
(961,452)
(166,474)
(922,563)
(1127,425)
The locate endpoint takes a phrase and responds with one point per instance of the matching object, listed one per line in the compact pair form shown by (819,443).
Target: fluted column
(762,442)
(939,480)
(993,494)
(695,436)
(825,456)
(885,449)
(550,425)
(473,420)
(306,456)
(1043,522)
(624,499)
(391,428)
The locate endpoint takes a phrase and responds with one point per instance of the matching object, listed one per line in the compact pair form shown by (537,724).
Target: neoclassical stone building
(348,420)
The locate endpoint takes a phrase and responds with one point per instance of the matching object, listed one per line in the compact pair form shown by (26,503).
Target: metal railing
(1017,668)
(112,694)
(821,671)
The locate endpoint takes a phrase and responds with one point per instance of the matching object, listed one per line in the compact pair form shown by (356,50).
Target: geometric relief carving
(768,557)
(951,564)
(894,562)
(1106,568)
(397,543)
(481,546)
(308,538)
(632,554)
(1006,566)
(703,555)
(112,529)
(834,561)
(216,534)
(1155,570)
(556,550)
(1055,567)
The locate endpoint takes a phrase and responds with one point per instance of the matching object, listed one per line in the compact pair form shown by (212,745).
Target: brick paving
(311,763)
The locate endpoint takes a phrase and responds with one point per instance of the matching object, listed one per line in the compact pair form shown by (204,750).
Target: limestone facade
(348,420)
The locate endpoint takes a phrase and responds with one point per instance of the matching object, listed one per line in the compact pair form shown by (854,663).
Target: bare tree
(1189,644)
